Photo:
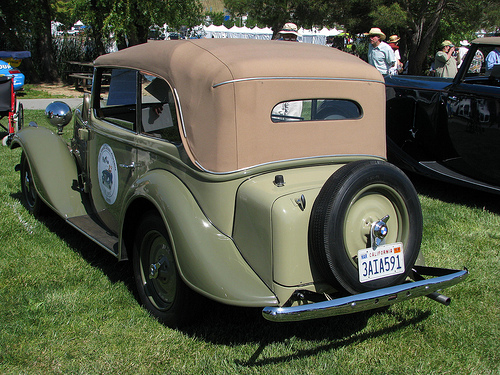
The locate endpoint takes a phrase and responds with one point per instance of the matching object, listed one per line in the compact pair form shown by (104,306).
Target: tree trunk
(421,37)
(16,44)
(48,61)
(97,27)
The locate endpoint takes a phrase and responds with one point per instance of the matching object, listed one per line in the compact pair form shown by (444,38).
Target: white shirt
(381,57)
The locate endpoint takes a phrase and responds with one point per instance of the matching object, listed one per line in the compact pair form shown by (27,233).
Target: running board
(374,299)
(90,228)
(446,173)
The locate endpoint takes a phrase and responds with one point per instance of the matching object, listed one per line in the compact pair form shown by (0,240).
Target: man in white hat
(289,32)
(462,51)
(292,110)
(380,54)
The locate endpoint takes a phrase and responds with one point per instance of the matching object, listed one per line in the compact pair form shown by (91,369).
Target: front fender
(53,169)
(207,259)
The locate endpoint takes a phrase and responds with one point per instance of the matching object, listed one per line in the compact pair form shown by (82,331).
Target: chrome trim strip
(289,160)
(297,78)
(180,112)
(364,301)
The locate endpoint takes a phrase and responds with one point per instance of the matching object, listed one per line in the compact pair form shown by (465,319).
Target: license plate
(386,260)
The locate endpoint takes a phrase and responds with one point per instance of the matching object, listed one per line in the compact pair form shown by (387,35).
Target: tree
(417,22)
(275,14)
(132,19)
(424,24)
(93,14)
(21,21)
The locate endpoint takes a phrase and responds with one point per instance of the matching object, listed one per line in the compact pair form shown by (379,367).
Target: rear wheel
(159,286)
(353,199)
(30,196)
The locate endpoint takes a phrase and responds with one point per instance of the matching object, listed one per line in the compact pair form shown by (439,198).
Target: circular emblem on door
(107,173)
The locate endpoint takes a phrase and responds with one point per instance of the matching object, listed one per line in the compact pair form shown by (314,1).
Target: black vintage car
(449,128)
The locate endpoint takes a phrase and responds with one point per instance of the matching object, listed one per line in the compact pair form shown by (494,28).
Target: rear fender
(53,168)
(207,259)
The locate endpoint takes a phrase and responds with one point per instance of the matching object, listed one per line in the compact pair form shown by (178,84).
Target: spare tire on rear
(352,199)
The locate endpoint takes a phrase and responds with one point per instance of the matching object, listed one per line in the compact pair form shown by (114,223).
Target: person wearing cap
(289,32)
(462,51)
(444,61)
(380,54)
(393,42)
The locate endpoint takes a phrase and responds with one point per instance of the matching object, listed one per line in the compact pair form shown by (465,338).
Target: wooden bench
(82,79)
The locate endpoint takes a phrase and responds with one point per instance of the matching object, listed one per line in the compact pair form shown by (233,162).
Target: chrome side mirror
(59,115)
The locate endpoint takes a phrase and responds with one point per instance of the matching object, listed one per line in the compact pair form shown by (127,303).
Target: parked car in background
(251,172)
(9,66)
(449,128)
(8,71)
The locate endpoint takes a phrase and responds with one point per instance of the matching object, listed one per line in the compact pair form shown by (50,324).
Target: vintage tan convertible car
(251,172)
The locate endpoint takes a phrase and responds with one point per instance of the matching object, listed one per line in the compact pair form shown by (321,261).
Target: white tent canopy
(314,36)
(213,31)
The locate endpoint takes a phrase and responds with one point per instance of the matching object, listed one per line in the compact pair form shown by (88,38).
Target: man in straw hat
(444,61)
(380,54)
(393,42)
(289,32)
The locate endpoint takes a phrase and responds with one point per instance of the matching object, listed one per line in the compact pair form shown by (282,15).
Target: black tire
(357,195)
(31,198)
(166,297)
(20,118)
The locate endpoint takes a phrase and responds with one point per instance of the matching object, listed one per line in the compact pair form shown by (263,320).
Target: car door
(112,155)
(474,127)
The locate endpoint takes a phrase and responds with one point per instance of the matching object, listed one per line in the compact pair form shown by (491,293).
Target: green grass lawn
(66,306)
(31,91)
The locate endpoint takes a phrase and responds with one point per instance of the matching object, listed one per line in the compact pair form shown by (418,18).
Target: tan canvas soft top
(227,89)
(493,40)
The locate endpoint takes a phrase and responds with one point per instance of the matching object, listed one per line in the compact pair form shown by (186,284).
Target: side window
(138,102)
(316,110)
(158,111)
(118,97)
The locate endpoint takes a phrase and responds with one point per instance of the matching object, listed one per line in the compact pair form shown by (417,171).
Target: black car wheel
(354,198)
(19,122)
(159,286)
(30,196)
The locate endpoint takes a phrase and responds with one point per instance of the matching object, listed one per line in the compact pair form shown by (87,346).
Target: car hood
(418,82)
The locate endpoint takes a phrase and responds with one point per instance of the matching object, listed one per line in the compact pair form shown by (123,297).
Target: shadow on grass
(338,339)
(220,324)
(86,248)
(456,194)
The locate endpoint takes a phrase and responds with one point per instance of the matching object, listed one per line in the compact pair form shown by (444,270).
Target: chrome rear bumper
(375,299)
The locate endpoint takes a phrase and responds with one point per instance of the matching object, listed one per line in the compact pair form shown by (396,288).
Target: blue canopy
(16,55)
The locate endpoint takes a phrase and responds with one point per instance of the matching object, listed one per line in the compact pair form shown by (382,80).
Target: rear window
(316,110)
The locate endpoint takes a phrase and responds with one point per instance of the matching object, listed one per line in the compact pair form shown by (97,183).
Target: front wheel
(30,196)
(160,289)
(353,201)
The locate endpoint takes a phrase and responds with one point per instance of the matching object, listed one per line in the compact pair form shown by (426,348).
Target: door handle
(127,166)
